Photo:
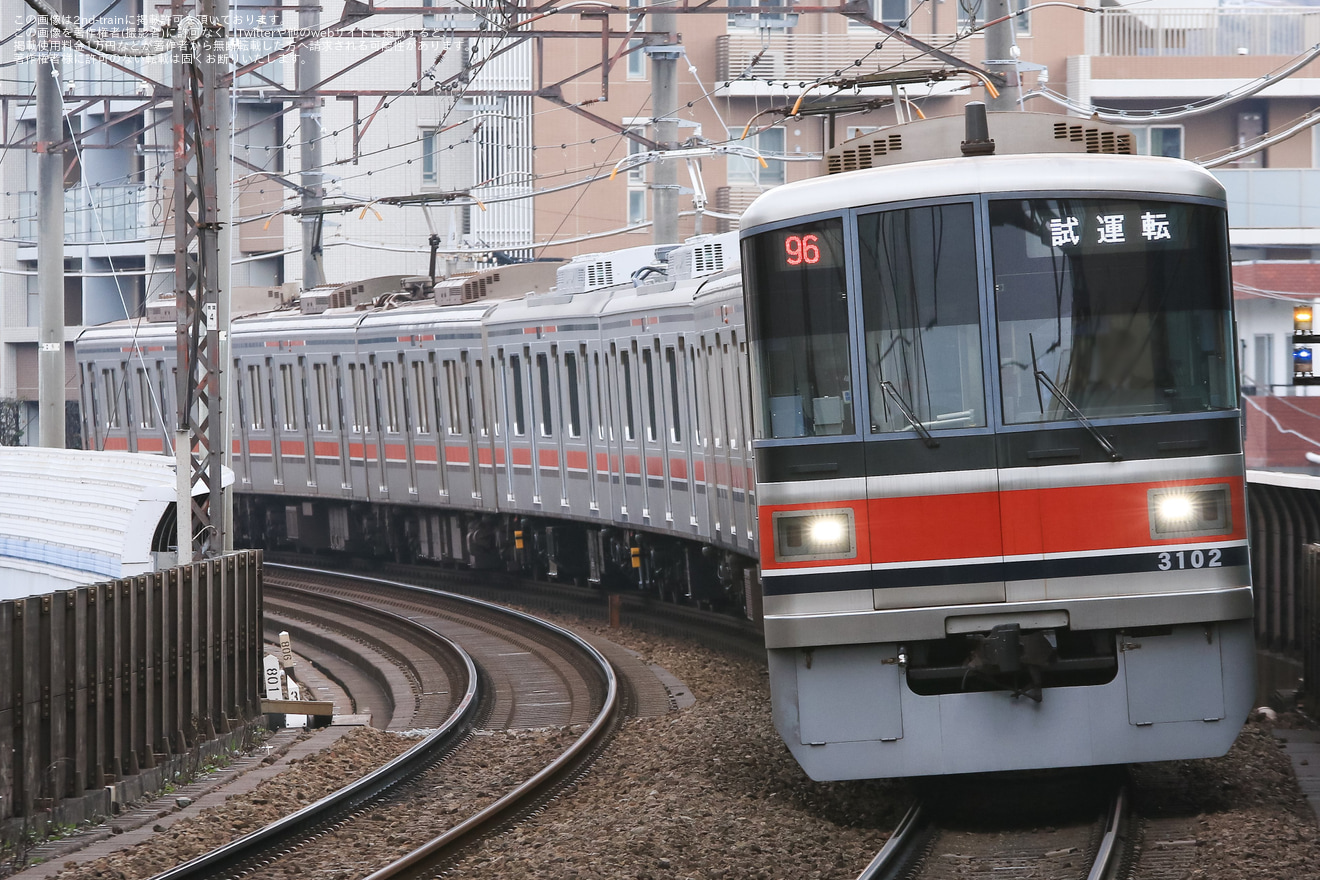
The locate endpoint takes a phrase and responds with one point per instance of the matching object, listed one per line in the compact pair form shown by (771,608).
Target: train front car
(999,469)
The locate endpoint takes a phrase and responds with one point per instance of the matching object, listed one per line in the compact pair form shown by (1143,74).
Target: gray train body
(594,432)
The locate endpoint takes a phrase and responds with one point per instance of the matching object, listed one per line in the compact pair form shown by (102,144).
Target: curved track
(521,673)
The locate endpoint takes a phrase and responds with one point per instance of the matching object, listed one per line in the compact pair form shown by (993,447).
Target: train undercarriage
(606,557)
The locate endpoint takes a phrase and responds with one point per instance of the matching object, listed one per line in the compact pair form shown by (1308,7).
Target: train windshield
(922,313)
(799,324)
(1111,308)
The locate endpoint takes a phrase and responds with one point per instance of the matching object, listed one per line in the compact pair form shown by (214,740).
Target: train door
(485,428)
(375,401)
(631,483)
(308,422)
(590,385)
(419,422)
(411,421)
(343,426)
(743,478)
(457,444)
(276,414)
(655,460)
(359,417)
(696,445)
(717,362)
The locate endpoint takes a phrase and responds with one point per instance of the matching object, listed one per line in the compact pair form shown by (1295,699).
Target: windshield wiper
(909,414)
(1042,379)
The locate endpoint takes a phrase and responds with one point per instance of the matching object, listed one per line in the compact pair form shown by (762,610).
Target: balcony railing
(807,57)
(1154,32)
(119,214)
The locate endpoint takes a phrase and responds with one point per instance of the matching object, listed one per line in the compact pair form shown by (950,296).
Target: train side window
(921,308)
(357,383)
(258,402)
(519,419)
(454,397)
(480,417)
(496,402)
(289,397)
(574,404)
(111,399)
(731,418)
(146,416)
(391,397)
(423,421)
(675,421)
(698,436)
(322,397)
(543,373)
(799,316)
(629,429)
(650,394)
(600,403)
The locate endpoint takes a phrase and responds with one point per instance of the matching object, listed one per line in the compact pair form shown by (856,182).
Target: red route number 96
(802,249)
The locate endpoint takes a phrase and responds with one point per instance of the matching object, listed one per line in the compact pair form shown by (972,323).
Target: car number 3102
(1181,559)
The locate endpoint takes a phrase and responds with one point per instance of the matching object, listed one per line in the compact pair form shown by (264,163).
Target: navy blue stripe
(1147,561)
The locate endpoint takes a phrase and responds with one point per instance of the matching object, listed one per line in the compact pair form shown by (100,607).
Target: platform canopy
(70,517)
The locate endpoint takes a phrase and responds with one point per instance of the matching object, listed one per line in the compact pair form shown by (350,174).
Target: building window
(746,171)
(892,12)
(636,183)
(1159,140)
(636,57)
(972,13)
(430,158)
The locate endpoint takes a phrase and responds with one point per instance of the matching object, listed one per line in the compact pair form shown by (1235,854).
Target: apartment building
(456,113)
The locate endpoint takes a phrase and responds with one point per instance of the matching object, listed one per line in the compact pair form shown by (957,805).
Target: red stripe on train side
(522,456)
(115,444)
(425,453)
(457,455)
(576,459)
(293,449)
(678,468)
(147,444)
(548,458)
(326,449)
(1081,518)
(396,452)
(259,447)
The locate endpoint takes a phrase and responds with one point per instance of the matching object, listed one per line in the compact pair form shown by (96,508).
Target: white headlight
(1189,512)
(815,534)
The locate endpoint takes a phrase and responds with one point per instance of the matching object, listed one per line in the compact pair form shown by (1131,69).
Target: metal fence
(103,682)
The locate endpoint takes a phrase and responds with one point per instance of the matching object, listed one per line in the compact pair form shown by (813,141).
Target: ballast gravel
(706,792)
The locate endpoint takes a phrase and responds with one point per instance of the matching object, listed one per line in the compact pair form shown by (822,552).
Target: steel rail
(1109,855)
(296,825)
(902,847)
(422,861)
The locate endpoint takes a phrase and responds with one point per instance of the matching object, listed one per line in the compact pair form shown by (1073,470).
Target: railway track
(932,842)
(520,674)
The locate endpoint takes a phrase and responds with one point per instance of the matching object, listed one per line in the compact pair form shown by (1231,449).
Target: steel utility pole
(1001,56)
(309,124)
(664,107)
(50,253)
(201,101)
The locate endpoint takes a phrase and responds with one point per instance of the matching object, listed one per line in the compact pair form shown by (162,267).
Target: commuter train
(996,514)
